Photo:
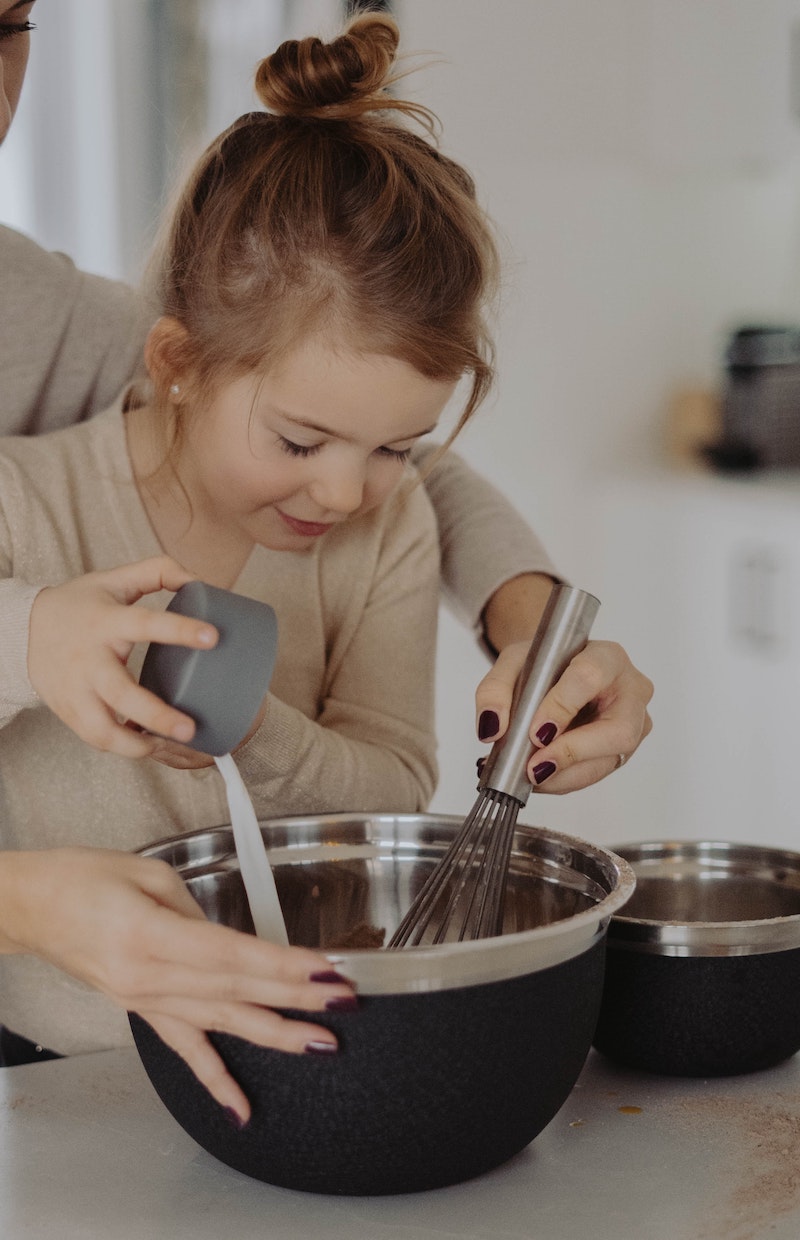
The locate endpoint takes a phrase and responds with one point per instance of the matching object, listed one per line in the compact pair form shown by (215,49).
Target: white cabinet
(700,580)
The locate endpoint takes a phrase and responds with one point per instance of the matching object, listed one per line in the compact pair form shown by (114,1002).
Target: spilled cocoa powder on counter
(768,1170)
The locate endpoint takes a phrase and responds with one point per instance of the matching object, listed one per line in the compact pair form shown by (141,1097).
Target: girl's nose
(339,487)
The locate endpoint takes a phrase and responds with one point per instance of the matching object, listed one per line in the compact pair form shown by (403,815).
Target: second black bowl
(703,963)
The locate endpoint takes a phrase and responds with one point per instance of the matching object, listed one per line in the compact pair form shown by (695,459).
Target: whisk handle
(562,633)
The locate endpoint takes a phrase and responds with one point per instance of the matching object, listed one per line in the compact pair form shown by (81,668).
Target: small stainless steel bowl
(703,964)
(458,1055)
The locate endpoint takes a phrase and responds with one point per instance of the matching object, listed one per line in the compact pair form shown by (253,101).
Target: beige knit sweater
(349,723)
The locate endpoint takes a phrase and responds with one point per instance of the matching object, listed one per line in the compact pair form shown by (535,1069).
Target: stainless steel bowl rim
(748,937)
(451,965)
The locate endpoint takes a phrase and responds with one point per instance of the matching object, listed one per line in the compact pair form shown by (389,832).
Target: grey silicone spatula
(222,690)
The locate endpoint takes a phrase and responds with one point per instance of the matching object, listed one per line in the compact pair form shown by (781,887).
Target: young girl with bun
(321,286)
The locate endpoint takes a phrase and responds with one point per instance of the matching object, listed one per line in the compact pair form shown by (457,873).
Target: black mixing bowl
(703,964)
(458,1056)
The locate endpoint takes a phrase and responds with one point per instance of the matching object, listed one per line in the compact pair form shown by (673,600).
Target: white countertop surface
(88,1152)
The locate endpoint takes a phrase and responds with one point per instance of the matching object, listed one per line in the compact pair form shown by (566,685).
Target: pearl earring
(175,389)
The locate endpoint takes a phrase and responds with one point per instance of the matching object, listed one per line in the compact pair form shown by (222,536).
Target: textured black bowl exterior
(426,1090)
(700,1015)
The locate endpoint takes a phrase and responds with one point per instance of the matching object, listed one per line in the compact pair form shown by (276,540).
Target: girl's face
(14,47)
(323,437)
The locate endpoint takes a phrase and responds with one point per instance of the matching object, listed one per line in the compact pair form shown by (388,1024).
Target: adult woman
(515,596)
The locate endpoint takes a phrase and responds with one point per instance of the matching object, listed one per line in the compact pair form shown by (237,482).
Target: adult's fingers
(579,759)
(494,693)
(587,677)
(255,1024)
(205,1062)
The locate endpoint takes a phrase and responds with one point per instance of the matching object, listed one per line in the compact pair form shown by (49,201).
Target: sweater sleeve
(16,691)
(372,745)
(484,541)
(16,600)
(69,341)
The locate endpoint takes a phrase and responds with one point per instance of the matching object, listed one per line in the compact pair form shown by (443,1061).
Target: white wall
(643,163)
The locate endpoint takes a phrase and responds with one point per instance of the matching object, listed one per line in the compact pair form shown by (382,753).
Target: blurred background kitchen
(642,161)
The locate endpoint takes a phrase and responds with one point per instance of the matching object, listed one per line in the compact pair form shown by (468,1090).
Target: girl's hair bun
(332,81)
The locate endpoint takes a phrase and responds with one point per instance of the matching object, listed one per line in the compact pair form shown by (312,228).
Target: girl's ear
(166,356)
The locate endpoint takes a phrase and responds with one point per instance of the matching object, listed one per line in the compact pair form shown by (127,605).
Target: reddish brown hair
(327,213)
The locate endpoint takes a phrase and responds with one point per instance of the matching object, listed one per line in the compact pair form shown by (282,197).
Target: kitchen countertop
(88,1151)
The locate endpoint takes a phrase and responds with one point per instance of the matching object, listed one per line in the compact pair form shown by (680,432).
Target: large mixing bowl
(703,964)
(458,1056)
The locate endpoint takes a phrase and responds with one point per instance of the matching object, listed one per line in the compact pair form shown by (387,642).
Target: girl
(321,289)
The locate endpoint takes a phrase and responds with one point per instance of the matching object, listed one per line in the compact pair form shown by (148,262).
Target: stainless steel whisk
(464,896)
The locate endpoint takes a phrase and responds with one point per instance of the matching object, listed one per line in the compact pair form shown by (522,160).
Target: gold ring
(622,758)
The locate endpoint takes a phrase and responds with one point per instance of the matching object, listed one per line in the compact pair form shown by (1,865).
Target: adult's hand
(128,927)
(589,723)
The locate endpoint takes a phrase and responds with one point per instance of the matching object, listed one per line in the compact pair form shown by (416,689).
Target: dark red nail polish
(543,771)
(547,733)
(329,976)
(342,1003)
(321,1048)
(234,1118)
(488,723)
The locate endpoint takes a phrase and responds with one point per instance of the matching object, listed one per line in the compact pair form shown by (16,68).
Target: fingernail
(183,732)
(234,1118)
(342,1003)
(321,1048)
(328,976)
(488,723)
(547,733)
(543,771)
(481,763)
(207,636)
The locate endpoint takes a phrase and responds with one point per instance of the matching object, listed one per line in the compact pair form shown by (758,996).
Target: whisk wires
(464,896)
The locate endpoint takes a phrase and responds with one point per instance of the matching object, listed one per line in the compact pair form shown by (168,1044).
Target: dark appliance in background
(760,401)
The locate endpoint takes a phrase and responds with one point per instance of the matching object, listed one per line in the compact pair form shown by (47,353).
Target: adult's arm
(485,544)
(69,341)
(128,927)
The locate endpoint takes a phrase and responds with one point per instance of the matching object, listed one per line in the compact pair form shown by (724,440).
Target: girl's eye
(298,449)
(9,29)
(397,454)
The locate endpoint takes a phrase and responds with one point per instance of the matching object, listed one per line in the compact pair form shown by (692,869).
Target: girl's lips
(309,529)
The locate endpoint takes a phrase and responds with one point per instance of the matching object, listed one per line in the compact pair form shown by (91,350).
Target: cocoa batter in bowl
(458,1056)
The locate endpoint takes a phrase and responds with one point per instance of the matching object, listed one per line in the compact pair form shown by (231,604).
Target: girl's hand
(589,723)
(183,758)
(81,634)
(128,927)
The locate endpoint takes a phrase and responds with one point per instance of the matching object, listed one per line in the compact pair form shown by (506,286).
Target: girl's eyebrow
(325,430)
